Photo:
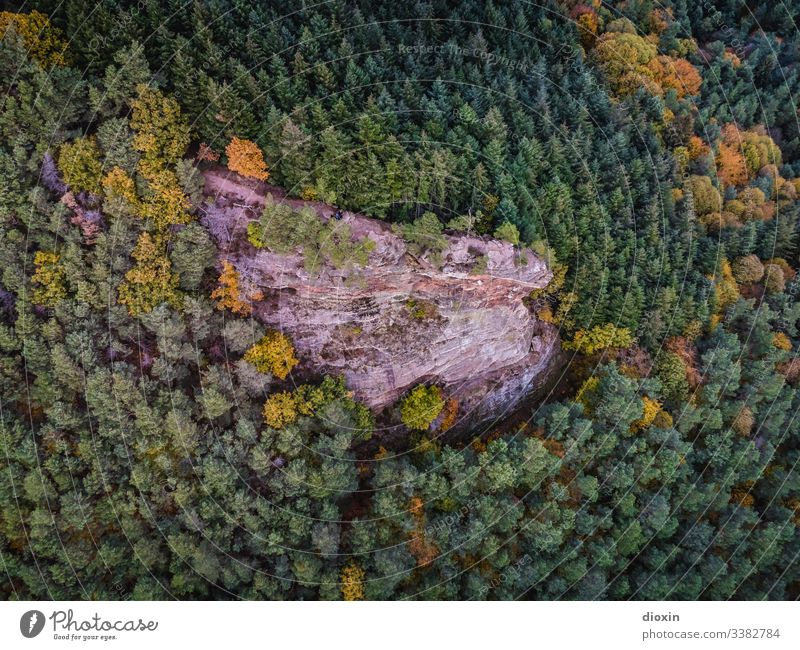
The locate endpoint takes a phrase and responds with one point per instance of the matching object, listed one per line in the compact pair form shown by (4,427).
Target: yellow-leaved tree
(165,204)
(161,135)
(151,281)
(229,294)
(352,582)
(45,44)
(79,163)
(49,276)
(631,61)
(725,287)
(650,409)
(600,337)
(273,354)
(280,409)
(421,407)
(161,132)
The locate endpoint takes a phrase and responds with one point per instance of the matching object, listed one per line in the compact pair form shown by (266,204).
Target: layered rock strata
(459,321)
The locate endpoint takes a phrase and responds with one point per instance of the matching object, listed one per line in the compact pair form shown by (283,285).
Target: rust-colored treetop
(245,158)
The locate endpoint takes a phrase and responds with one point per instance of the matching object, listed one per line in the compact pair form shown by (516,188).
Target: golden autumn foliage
(79,163)
(545,315)
(584,393)
(449,414)
(742,154)
(309,398)
(49,275)
(623,57)
(245,158)
(788,272)
(161,132)
(790,370)
(631,62)
(731,166)
(675,74)
(280,409)
(421,407)
(750,204)
(747,269)
(785,189)
(650,409)
(693,330)
(773,280)
(706,197)
(229,295)
(151,281)
(742,495)
(165,205)
(743,422)
(685,349)
(658,20)
(587,23)
(273,354)
(600,338)
(351,581)
(309,193)
(758,148)
(423,550)
(45,44)
(781,341)
(118,185)
(725,286)
(419,546)
(730,55)
(663,420)
(716,221)
(696,147)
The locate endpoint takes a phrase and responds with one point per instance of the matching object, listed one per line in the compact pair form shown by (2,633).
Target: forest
(153,442)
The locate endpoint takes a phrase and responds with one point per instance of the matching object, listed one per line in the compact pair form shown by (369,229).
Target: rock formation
(400,320)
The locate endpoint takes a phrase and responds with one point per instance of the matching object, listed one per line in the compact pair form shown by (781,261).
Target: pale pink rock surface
(481,344)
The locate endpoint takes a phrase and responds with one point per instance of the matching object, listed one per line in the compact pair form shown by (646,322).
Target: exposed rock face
(400,320)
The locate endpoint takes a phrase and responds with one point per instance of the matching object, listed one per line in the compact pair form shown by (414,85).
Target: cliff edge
(401,319)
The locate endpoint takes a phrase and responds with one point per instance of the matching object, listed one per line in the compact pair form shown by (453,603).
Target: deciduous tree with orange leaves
(676,74)
(731,165)
(245,158)
(229,294)
(631,62)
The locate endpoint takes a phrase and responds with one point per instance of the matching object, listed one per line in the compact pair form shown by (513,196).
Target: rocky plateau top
(400,320)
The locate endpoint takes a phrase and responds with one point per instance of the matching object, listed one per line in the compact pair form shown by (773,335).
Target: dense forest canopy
(154,444)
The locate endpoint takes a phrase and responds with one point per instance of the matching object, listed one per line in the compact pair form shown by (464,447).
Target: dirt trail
(222,182)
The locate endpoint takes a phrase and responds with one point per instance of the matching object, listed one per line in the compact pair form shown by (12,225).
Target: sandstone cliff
(400,320)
